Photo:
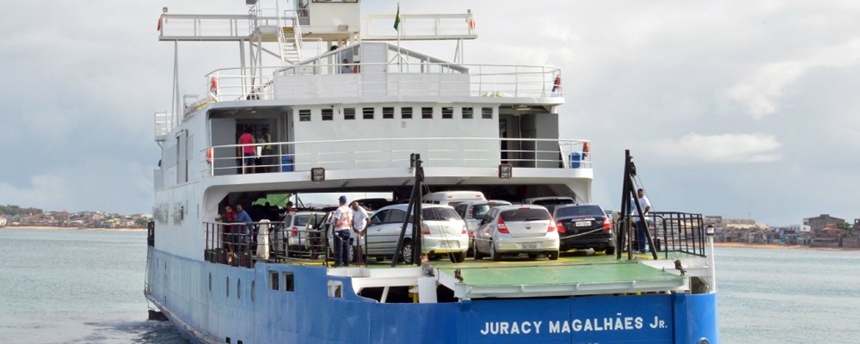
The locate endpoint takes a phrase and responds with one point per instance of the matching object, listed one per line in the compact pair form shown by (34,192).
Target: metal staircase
(290,40)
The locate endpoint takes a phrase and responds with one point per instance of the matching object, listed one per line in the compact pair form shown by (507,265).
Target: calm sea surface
(87,287)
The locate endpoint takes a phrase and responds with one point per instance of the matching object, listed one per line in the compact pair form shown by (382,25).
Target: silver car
(473,211)
(443,232)
(516,229)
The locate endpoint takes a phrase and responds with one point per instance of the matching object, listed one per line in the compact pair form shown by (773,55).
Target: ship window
(289,281)
(273,280)
(239,289)
(337,1)
(427,113)
(388,112)
(447,112)
(487,113)
(210,282)
(304,115)
(367,113)
(253,291)
(467,112)
(349,113)
(228,286)
(406,113)
(335,289)
(327,114)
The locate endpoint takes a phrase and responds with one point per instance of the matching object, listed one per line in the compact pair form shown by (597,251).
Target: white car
(443,232)
(297,231)
(516,229)
(473,211)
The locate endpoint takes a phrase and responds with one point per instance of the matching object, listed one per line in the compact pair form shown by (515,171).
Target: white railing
(202,27)
(163,124)
(318,80)
(418,27)
(394,152)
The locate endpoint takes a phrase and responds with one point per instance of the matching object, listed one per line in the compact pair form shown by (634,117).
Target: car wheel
(477,254)
(458,257)
(493,253)
(553,255)
(610,250)
(406,251)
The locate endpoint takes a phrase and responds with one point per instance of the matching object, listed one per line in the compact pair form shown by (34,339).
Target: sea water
(80,286)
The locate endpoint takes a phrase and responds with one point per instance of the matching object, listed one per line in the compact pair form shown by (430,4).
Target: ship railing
(239,244)
(673,231)
(394,152)
(315,79)
(214,27)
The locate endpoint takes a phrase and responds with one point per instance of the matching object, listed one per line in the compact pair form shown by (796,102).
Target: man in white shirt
(342,225)
(641,225)
(360,221)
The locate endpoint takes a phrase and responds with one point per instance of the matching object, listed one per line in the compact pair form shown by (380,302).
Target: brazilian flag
(397,18)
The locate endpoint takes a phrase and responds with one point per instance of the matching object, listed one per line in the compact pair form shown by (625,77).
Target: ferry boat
(346,107)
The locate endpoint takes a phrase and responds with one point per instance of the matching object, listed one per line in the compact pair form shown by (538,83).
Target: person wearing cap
(342,226)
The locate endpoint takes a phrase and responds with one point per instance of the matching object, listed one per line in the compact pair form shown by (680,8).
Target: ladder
(290,40)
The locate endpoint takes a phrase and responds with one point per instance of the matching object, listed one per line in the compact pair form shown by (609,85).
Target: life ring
(209,155)
(213,84)
(557,83)
(585,149)
(471,22)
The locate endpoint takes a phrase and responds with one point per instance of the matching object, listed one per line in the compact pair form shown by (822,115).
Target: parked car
(550,202)
(516,229)
(443,232)
(453,198)
(297,232)
(583,226)
(473,211)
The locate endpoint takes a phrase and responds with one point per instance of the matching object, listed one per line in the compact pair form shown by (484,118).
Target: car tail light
(607,225)
(464,230)
(503,228)
(425,229)
(551,227)
(295,231)
(560,226)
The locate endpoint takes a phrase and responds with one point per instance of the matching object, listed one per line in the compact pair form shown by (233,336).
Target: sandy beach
(76,228)
(783,247)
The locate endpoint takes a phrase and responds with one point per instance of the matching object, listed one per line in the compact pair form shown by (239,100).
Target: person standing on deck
(641,225)
(342,225)
(345,69)
(360,221)
(244,230)
(266,158)
(247,151)
(228,231)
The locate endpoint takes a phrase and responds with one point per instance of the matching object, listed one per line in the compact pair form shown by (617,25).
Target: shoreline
(782,247)
(77,228)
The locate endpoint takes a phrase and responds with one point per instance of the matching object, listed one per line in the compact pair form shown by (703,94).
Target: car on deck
(516,229)
(473,211)
(443,233)
(584,226)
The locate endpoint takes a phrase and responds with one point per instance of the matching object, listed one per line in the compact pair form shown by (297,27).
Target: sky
(745,109)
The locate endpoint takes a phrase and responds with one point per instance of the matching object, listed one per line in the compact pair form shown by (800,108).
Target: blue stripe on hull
(308,315)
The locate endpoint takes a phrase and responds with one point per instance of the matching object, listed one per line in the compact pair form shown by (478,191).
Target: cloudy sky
(733,108)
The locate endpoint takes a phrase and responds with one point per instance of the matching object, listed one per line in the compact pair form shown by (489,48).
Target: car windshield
(439,214)
(580,210)
(480,210)
(301,220)
(525,214)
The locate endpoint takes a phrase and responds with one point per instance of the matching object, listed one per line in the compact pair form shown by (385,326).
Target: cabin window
(304,115)
(367,113)
(289,281)
(427,113)
(467,112)
(253,291)
(447,112)
(349,114)
(327,114)
(406,113)
(228,286)
(388,113)
(239,288)
(487,113)
(335,289)
(273,280)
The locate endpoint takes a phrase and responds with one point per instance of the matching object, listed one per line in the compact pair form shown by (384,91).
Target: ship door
(181,157)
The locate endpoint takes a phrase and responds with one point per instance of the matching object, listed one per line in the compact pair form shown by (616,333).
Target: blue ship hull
(215,302)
